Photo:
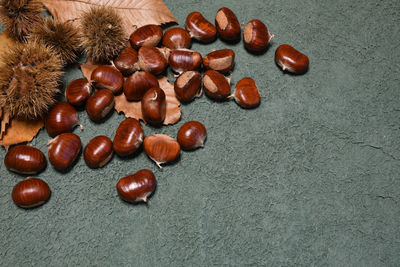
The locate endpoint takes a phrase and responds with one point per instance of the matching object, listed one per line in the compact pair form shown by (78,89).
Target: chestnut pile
(133,73)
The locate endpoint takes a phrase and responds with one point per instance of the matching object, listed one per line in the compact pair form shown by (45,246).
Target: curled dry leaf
(5,121)
(135,13)
(134,109)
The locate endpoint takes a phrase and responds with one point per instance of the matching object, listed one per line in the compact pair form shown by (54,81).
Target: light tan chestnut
(220,60)
(154,106)
(188,86)
(148,35)
(215,85)
(181,60)
(161,148)
(246,93)
(200,28)
(227,25)
(175,38)
(256,36)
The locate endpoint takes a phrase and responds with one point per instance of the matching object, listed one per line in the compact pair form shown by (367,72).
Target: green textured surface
(310,178)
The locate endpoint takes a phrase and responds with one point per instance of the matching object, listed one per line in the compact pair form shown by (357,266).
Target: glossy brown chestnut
(246,93)
(78,91)
(192,135)
(227,25)
(256,36)
(291,59)
(98,151)
(128,137)
(148,35)
(62,118)
(63,150)
(126,61)
(107,77)
(152,59)
(137,85)
(137,187)
(220,60)
(25,160)
(175,38)
(215,85)
(154,106)
(199,28)
(30,193)
(161,148)
(182,60)
(100,104)
(188,85)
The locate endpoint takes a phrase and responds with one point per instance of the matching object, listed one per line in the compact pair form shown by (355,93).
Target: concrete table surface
(309,178)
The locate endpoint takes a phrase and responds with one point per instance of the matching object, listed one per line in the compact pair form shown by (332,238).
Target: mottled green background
(310,178)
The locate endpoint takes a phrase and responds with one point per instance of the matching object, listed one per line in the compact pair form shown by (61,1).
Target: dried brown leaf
(5,121)
(20,131)
(134,109)
(134,12)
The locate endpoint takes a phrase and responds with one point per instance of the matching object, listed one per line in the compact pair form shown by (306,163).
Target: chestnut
(107,77)
(98,151)
(152,59)
(128,137)
(191,135)
(78,91)
(161,148)
(148,35)
(25,159)
(175,38)
(137,187)
(154,106)
(188,85)
(256,36)
(227,25)
(199,28)
(215,85)
(30,193)
(63,150)
(138,83)
(246,93)
(291,59)
(100,104)
(62,118)
(181,60)
(220,60)
(126,61)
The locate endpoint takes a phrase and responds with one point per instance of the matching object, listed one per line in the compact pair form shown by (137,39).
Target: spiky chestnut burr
(63,37)
(30,75)
(103,35)
(20,16)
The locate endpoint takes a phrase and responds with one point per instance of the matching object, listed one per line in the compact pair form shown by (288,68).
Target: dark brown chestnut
(152,59)
(148,35)
(100,104)
(126,61)
(107,77)
(63,150)
(192,135)
(200,28)
(25,159)
(246,93)
(220,60)
(227,25)
(30,193)
(256,36)
(62,118)
(154,106)
(215,85)
(98,151)
(175,38)
(161,148)
(181,60)
(128,137)
(137,85)
(137,187)
(291,59)
(78,91)
(188,85)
